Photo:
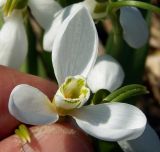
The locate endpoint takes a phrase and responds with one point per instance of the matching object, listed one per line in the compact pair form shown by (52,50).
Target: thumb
(59,137)
(9,79)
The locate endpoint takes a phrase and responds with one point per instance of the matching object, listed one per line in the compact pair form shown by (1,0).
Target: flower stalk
(116,5)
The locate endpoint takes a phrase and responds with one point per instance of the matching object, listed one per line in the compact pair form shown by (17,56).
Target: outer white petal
(135,28)
(111,121)
(31,106)
(148,142)
(44,10)
(13,41)
(106,74)
(75,48)
(51,33)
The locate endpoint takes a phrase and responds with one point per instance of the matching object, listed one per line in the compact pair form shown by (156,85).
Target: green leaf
(99,96)
(46,60)
(1,19)
(126,92)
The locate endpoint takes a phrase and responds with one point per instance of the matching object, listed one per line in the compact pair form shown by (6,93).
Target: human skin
(59,137)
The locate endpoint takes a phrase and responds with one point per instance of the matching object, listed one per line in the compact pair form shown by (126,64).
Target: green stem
(32,63)
(115,40)
(143,5)
(1,19)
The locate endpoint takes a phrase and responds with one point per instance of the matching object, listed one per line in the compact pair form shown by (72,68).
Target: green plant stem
(138,4)
(115,40)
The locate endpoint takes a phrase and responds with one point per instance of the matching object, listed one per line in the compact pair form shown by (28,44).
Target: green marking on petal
(73,88)
(72,101)
(73,93)
(23,133)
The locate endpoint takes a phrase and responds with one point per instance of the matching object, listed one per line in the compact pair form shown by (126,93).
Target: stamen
(23,133)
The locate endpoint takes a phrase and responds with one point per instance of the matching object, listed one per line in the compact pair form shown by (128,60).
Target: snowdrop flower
(43,11)
(13,38)
(12,35)
(148,142)
(135,30)
(73,56)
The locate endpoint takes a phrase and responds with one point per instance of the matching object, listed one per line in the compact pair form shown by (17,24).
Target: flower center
(73,88)
(73,93)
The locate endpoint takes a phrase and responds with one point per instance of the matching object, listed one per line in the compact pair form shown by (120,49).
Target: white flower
(43,11)
(13,38)
(135,30)
(13,41)
(73,56)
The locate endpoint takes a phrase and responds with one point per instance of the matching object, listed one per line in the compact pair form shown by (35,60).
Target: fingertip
(59,137)
(9,79)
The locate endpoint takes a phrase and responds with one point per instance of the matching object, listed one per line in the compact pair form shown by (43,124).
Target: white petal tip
(29,105)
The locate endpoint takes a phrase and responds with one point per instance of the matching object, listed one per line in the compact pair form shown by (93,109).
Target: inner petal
(73,93)
(73,88)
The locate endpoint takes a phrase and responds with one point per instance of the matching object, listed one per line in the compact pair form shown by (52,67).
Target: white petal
(13,41)
(75,48)
(29,105)
(51,33)
(44,10)
(2,2)
(148,142)
(111,121)
(135,28)
(106,74)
